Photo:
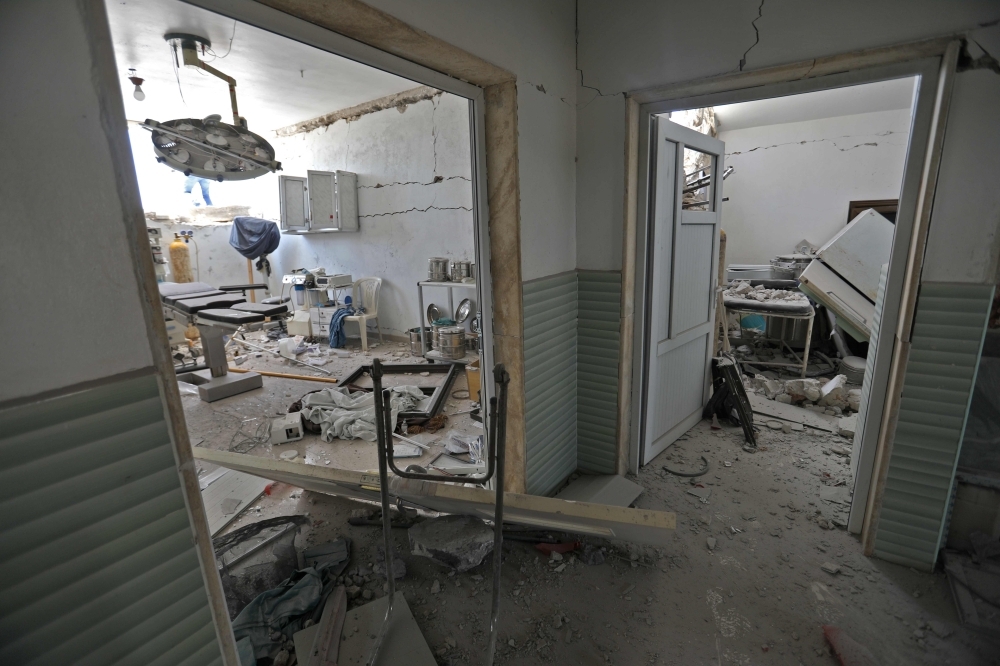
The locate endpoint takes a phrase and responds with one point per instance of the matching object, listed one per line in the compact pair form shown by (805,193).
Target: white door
(684,222)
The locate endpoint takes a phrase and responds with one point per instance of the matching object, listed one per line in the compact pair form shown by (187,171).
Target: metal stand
(496,436)
(803,361)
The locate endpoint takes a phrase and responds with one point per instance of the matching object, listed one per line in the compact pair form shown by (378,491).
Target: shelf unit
(450,286)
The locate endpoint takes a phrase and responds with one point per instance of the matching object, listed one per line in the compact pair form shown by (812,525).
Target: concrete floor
(760,597)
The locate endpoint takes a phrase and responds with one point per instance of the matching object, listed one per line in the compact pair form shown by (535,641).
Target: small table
(781,309)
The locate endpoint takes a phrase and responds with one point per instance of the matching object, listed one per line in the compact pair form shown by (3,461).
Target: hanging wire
(177,75)
(218,57)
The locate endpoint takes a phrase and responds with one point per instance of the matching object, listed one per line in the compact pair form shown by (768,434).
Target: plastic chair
(364,294)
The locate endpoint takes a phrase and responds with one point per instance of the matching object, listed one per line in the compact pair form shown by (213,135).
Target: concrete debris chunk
(847,425)
(834,392)
(458,542)
(710,542)
(436,587)
(854,399)
(398,565)
(830,568)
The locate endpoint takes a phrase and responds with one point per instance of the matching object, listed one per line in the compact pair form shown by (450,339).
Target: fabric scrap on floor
(343,415)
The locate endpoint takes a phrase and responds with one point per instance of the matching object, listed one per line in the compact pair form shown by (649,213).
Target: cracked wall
(795,180)
(414,199)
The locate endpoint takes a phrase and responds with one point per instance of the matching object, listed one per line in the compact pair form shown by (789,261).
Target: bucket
(451,341)
(415,349)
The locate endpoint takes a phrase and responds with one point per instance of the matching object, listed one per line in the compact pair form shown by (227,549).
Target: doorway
(774,106)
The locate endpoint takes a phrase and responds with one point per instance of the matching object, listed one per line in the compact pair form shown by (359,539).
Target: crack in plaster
(576,55)
(756,41)
(801,143)
(437,179)
(434,108)
(418,210)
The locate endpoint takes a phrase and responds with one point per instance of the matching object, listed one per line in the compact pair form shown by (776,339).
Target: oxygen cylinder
(180,260)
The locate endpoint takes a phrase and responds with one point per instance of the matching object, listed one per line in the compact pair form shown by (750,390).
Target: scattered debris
(847,425)
(458,542)
(701,493)
(690,475)
(711,543)
(436,423)
(335,554)
(830,568)
(398,565)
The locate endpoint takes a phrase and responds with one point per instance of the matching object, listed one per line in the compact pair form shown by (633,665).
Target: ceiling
(279,81)
(866,98)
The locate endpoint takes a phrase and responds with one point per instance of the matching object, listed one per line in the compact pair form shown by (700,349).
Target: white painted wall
(794,181)
(71,222)
(655,43)
(414,199)
(964,241)
(535,41)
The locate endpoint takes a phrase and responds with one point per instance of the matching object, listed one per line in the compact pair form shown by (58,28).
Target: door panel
(692,301)
(683,256)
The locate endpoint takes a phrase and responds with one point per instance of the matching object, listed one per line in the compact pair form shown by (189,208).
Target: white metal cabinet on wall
(323,201)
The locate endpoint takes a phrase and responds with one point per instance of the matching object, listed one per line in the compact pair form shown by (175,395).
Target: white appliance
(844,276)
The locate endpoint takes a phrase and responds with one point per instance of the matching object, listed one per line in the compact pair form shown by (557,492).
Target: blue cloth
(337,337)
(253,237)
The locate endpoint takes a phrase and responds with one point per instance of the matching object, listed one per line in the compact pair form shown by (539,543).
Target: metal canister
(460,270)
(472,342)
(437,269)
(452,342)
(415,349)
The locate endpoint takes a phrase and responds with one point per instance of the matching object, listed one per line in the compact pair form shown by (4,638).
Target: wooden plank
(791,413)
(403,643)
(626,332)
(230,495)
(637,525)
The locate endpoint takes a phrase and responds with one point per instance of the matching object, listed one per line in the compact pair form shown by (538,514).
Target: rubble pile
(743,289)
(832,394)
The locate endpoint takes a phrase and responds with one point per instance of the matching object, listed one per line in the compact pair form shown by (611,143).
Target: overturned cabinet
(323,201)
(844,276)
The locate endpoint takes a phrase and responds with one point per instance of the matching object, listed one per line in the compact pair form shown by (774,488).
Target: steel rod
(271,351)
(383,443)
(498,421)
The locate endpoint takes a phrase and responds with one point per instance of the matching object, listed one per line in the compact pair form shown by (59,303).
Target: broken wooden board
(229,495)
(636,525)
(403,643)
(792,414)
(610,489)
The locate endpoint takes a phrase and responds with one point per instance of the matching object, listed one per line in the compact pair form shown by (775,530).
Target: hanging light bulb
(137,93)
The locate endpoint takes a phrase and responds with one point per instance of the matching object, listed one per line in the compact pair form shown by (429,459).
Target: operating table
(217,312)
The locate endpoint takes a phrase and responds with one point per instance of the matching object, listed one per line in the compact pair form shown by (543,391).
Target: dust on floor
(759,596)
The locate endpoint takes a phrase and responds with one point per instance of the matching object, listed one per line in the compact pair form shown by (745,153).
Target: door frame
(931,60)
(369,36)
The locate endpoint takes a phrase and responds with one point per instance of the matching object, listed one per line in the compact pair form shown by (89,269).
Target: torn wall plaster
(399,101)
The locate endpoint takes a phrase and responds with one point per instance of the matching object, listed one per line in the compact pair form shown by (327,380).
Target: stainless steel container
(472,342)
(452,342)
(789,266)
(415,349)
(437,269)
(460,270)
